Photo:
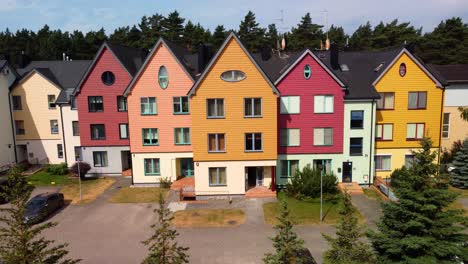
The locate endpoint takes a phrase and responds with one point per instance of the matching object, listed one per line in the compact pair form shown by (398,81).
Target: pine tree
(361,39)
(347,247)
(251,35)
(459,175)
(20,242)
(163,248)
(419,227)
(337,35)
(306,35)
(289,248)
(173,27)
(219,35)
(271,36)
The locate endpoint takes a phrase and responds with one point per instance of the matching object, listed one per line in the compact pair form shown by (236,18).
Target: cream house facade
(7,145)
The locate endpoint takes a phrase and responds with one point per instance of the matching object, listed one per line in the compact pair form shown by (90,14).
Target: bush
(21,167)
(306,184)
(84,168)
(59,169)
(165,182)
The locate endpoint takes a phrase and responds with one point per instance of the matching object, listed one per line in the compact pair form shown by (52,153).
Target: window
(163,77)
(383,163)
(323,166)
(252,107)
(16,99)
(123,131)
(100,158)
(323,136)
(150,137)
(355,146)
(215,108)
(73,103)
(409,160)
(76,128)
(77,153)
(417,100)
(290,137)
(357,119)
(386,101)
(60,151)
(95,104)
(152,167)
(402,69)
(307,71)
(19,125)
(121,104)
(98,132)
(217,176)
(233,76)
(446,125)
(216,143)
(323,104)
(148,105)
(253,142)
(414,131)
(51,101)
(289,168)
(54,128)
(290,105)
(182,136)
(181,105)
(108,78)
(384,132)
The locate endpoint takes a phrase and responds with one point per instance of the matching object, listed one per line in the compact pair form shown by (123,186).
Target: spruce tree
(305,35)
(173,27)
(21,242)
(219,35)
(163,249)
(459,175)
(419,227)
(347,247)
(251,35)
(289,247)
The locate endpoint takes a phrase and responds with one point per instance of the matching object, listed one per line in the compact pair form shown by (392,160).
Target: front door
(186,167)
(347,171)
(254,177)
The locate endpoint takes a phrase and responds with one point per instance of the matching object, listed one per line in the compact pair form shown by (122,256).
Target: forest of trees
(445,44)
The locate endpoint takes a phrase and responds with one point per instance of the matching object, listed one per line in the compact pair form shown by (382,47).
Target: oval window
(163,77)
(233,76)
(307,71)
(402,69)
(108,78)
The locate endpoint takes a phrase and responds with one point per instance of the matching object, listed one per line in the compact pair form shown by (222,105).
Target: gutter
(372,140)
(12,126)
(63,136)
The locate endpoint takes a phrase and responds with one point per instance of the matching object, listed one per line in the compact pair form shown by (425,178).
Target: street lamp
(321,196)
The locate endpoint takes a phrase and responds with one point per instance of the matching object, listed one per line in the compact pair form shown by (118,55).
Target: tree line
(445,44)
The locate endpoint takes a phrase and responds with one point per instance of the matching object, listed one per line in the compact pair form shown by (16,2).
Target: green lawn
(138,195)
(43,178)
(463,192)
(303,212)
(371,193)
(90,189)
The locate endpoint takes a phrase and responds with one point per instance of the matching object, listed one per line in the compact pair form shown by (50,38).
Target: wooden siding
(414,80)
(110,117)
(320,83)
(234,125)
(165,120)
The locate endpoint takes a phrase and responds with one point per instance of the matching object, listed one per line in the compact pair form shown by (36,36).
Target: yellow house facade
(410,109)
(234,124)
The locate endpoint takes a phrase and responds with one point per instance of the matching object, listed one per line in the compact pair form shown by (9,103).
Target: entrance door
(126,158)
(254,177)
(347,171)
(22,152)
(186,167)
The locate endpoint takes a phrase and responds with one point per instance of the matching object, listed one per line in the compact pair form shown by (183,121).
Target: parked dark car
(41,206)
(3,183)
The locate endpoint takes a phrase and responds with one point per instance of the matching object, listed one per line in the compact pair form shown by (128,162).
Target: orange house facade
(234,124)
(160,117)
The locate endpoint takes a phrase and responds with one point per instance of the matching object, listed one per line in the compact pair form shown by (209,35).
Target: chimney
(334,56)
(205,52)
(266,54)
(22,60)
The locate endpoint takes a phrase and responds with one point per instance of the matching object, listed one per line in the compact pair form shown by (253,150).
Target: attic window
(108,78)
(402,69)
(233,76)
(307,71)
(378,68)
(344,67)
(163,77)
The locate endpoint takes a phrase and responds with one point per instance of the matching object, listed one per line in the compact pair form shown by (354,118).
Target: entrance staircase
(350,187)
(260,192)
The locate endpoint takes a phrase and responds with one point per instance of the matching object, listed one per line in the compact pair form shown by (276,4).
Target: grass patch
(43,178)
(463,192)
(91,189)
(138,195)
(209,218)
(303,212)
(372,194)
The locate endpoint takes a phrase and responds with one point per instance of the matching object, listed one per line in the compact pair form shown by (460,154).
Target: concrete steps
(260,192)
(350,187)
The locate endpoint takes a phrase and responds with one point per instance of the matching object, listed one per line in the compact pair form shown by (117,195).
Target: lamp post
(79,176)
(321,196)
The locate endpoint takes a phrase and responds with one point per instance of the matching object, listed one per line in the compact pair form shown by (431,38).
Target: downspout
(12,126)
(63,135)
(372,141)
(440,126)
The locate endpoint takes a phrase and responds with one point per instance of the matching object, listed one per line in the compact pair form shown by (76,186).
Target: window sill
(414,139)
(215,117)
(149,145)
(152,174)
(290,113)
(357,128)
(356,155)
(253,116)
(289,146)
(383,170)
(15,110)
(99,166)
(218,185)
(324,113)
(182,113)
(149,114)
(417,108)
(285,177)
(216,152)
(385,109)
(250,151)
(182,144)
(95,111)
(323,145)
(122,111)
(98,139)
(384,140)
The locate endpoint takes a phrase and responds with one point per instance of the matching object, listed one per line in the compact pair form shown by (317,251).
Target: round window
(163,77)
(402,69)
(108,78)
(233,76)
(307,71)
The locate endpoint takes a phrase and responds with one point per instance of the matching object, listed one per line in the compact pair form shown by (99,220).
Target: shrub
(165,182)
(84,168)
(21,167)
(306,184)
(59,169)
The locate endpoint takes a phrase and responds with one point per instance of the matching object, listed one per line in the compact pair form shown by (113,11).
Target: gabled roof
(5,63)
(231,36)
(453,73)
(130,58)
(177,52)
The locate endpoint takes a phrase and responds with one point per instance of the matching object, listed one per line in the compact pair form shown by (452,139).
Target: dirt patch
(91,189)
(209,218)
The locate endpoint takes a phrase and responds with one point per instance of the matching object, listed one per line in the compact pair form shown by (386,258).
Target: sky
(86,15)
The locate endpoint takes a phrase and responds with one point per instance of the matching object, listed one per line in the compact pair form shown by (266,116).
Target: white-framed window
(216,143)
(217,176)
(98,132)
(54,127)
(289,168)
(383,162)
(95,104)
(182,136)
(357,119)
(163,77)
(253,142)
(417,100)
(215,108)
(323,136)
(180,105)
(323,104)
(51,101)
(152,167)
(60,151)
(386,101)
(323,165)
(252,107)
(384,132)
(290,137)
(121,104)
(415,131)
(446,125)
(75,128)
(148,106)
(123,131)
(290,104)
(100,158)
